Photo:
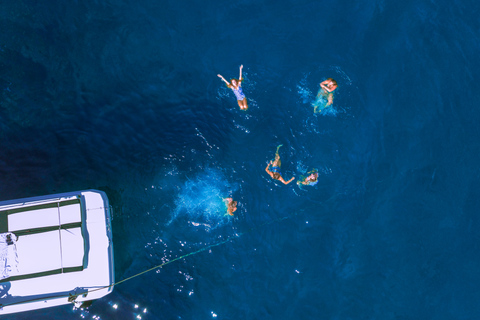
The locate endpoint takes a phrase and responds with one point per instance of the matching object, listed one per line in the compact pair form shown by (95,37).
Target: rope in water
(73,297)
(192,253)
(161,265)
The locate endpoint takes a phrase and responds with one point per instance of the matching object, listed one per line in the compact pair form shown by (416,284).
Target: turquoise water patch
(316,102)
(200,200)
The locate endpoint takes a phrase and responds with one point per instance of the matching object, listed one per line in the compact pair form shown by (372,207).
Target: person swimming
(325,94)
(311,179)
(236,86)
(231,205)
(273,168)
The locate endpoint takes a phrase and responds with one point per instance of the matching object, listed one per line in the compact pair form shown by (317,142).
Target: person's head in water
(333,82)
(234,82)
(329,84)
(276,176)
(312,177)
(231,205)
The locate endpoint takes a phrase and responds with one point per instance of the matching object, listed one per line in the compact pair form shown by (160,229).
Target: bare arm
(230,209)
(330,99)
(267,169)
(241,67)
(223,79)
(286,182)
(324,85)
(328,86)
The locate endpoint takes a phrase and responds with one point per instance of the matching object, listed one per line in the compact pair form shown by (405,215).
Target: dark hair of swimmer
(276,175)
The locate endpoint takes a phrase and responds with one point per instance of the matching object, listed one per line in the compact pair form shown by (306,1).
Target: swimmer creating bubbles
(310,180)
(231,205)
(325,94)
(236,86)
(274,170)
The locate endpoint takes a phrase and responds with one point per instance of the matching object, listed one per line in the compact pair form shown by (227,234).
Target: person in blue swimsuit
(325,94)
(311,180)
(236,86)
(273,169)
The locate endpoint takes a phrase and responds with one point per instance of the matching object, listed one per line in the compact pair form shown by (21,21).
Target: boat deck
(63,247)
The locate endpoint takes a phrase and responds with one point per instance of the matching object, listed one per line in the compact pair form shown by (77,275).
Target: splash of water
(200,200)
(307,97)
(323,109)
(304,92)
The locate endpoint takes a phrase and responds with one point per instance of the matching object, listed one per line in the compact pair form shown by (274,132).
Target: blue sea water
(123,96)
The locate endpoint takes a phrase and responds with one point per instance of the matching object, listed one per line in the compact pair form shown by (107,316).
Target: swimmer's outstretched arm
(240,78)
(268,170)
(286,182)
(223,79)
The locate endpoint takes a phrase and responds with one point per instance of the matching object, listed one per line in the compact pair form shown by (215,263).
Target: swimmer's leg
(277,161)
(278,148)
(245,104)
(319,104)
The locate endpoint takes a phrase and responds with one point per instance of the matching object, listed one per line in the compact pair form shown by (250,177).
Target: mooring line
(195,252)
(72,297)
(165,263)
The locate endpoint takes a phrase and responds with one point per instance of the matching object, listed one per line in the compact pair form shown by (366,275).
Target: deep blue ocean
(123,96)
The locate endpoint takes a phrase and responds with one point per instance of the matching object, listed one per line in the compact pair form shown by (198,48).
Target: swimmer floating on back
(310,180)
(236,86)
(231,205)
(326,92)
(274,170)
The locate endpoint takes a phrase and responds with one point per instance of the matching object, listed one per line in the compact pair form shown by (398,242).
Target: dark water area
(123,96)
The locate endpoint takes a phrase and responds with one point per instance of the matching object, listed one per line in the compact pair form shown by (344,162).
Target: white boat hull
(61,252)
